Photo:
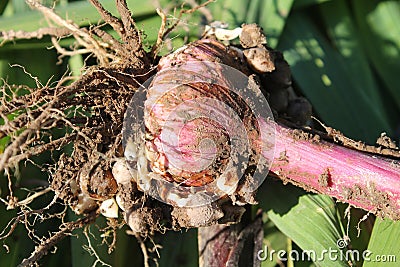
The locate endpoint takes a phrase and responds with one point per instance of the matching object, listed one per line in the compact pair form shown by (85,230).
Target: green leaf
(326,79)
(18,245)
(4,143)
(379,28)
(232,12)
(39,63)
(273,240)
(3,5)
(76,65)
(80,12)
(273,19)
(384,246)
(309,220)
(127,251)
(307,3)
(179,249)
(344,36)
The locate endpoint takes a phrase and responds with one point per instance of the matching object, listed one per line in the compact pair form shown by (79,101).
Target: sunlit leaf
(309,220)
(384,248)
(379,28)
(345,38)
(326,79)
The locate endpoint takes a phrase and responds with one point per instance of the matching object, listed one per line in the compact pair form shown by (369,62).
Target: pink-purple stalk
(363,180)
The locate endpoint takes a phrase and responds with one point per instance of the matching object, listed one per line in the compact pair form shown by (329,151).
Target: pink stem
(363,180)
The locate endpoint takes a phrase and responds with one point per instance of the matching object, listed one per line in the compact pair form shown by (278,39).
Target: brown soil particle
(382,203)
(298,134)
(385,141)
(193,217)
(260,59)
(324,178)
(283,156)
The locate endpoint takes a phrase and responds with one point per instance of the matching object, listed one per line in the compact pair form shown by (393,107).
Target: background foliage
(345,58)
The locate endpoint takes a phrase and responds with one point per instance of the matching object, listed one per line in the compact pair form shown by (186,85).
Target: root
(164,31)
(90,249)
(82,36)
(89,112)
(67,228)
(94,40)
(9,36)
(126,29)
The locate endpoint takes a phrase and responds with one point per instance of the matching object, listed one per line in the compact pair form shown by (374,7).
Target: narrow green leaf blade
(345,38)
(379,28)
(309,220)
(325,78)
(273,240)
(384,246)
(179,249)
(307,3)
